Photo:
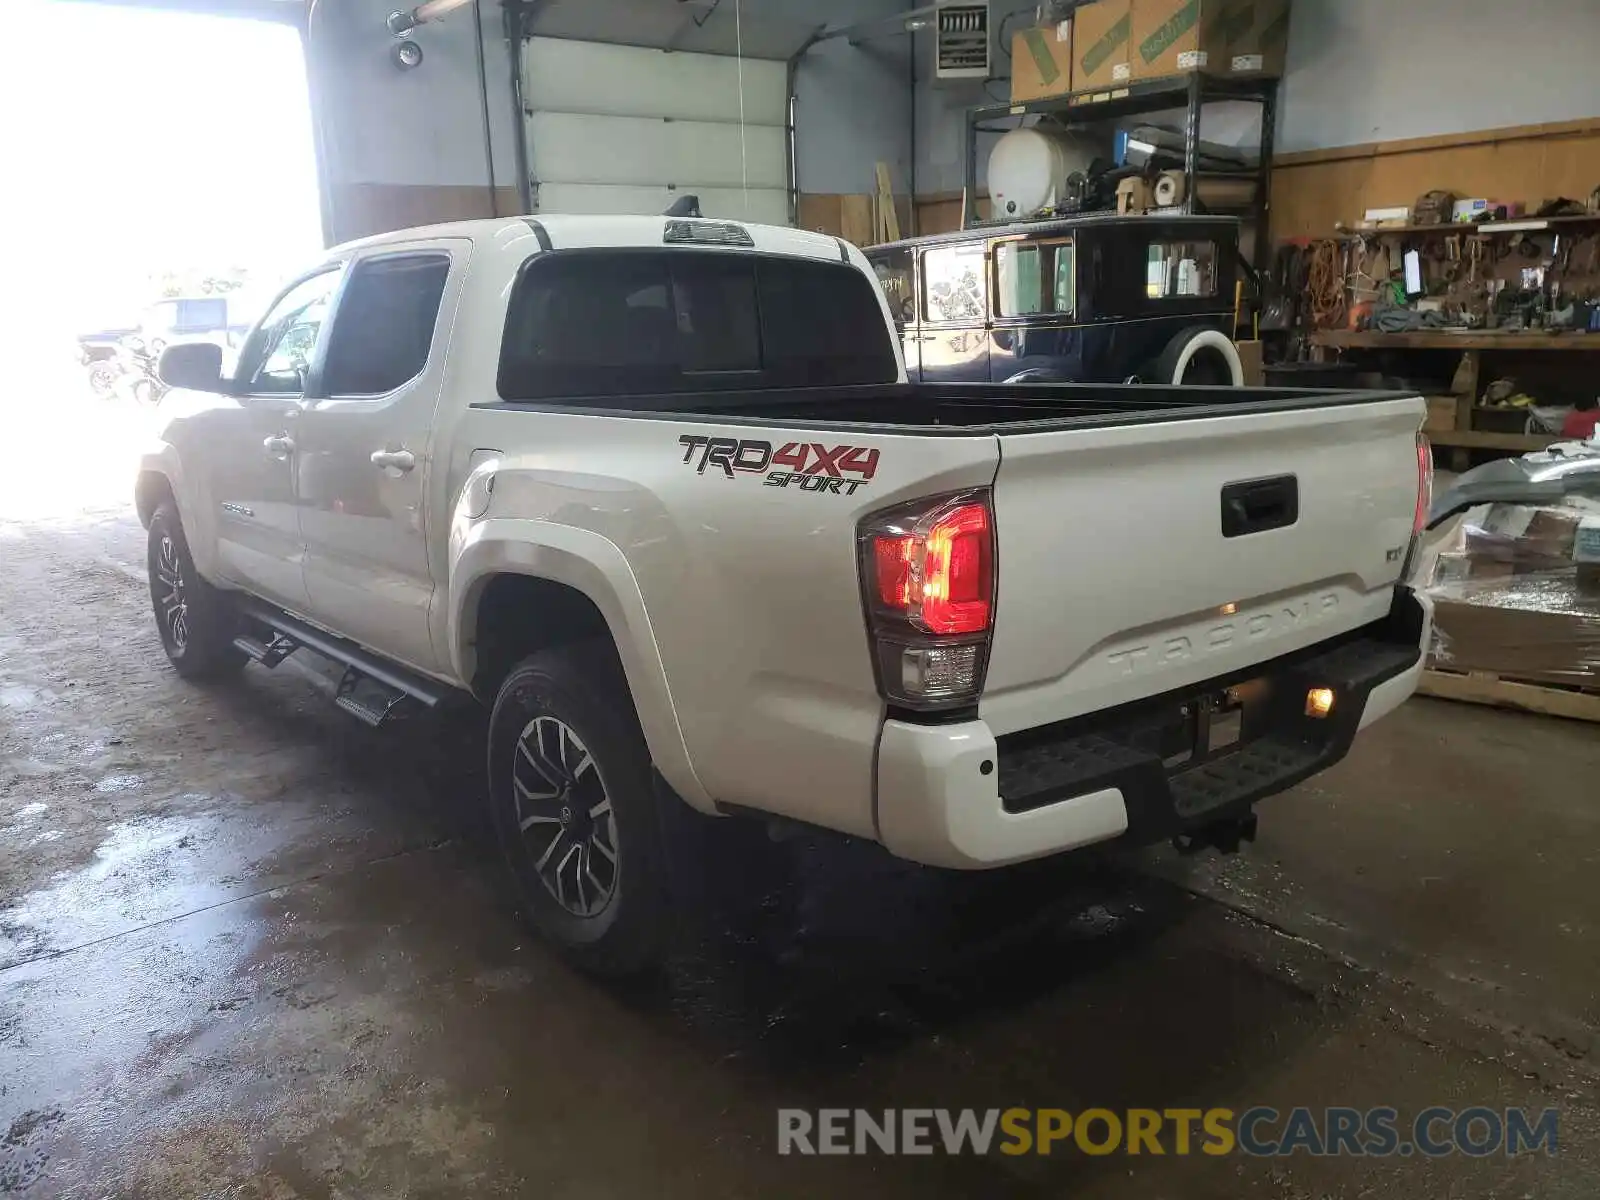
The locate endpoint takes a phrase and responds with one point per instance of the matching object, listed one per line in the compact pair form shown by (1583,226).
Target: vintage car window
(952,283)
(1066,278)
(1034,277)
(893,270)
(1181,269)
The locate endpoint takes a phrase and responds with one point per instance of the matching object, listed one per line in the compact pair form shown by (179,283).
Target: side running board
(372,690)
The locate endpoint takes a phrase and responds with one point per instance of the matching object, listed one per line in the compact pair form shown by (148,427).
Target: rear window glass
(1175,269)
(596,323)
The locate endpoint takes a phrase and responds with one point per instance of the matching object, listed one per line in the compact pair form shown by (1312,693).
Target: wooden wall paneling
(1313,191)
(363,209)
(848,215)
(855,219)
(941,213)
(1307,200)
(821,212)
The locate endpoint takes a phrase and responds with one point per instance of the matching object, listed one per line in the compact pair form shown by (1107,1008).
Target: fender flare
(595,567)
(1182,349)
(199,524)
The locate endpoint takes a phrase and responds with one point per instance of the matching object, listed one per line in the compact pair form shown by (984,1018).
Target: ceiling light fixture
(407,55)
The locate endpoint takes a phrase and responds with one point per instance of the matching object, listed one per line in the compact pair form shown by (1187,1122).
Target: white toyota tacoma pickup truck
(657,491)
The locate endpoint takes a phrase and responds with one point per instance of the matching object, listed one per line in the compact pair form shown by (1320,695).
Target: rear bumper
(954,796)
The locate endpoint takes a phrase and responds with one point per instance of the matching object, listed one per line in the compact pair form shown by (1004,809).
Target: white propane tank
(1028,170)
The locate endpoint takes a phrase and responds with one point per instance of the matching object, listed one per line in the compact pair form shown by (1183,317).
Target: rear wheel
(574,810)
(1199,356)
(1207,369)
(196,620)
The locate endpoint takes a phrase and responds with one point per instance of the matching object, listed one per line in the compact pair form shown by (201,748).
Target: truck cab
(1098,299)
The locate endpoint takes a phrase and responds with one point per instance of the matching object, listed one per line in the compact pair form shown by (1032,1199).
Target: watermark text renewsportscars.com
(1260,1131)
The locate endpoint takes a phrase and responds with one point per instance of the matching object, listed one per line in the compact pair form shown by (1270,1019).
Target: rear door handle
(279,445)
(399,460)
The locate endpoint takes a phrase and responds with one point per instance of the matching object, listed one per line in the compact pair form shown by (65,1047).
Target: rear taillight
(928,576)
(1419,519)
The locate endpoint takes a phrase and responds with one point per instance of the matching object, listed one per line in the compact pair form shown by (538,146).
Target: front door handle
(279,446)
(400,460)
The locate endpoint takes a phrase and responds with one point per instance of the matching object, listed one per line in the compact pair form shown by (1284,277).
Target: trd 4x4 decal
(810,466)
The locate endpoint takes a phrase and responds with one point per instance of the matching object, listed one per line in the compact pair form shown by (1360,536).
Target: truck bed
(963,408)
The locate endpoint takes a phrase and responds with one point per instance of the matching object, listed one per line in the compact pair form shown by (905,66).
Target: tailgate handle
(1256,505)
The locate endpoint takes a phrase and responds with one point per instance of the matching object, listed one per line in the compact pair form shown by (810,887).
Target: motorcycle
(138,380)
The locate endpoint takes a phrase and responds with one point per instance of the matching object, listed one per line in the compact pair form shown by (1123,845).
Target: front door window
(289,337)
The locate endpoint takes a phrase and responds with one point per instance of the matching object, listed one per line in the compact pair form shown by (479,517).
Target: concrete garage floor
(249,948)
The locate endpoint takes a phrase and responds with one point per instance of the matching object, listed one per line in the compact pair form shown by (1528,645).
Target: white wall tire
(1183,349)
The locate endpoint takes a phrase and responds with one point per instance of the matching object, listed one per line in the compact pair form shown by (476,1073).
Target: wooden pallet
(1475,688)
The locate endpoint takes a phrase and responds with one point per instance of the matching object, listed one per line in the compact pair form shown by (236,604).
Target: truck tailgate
(1139,559)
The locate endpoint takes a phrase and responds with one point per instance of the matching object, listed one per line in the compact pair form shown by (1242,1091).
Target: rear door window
(1179,269)
(588,323)
(1033,278)
(383,329)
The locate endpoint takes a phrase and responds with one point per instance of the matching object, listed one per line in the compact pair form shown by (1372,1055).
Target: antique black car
(1094,299)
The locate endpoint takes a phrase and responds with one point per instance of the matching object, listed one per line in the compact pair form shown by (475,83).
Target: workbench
(1459,434)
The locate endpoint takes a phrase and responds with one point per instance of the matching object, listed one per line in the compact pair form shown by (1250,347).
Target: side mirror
(193,365)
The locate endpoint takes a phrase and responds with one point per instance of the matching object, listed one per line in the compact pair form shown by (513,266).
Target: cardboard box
(1586,541)
(1441,414)
(1222,37)
(1506,629)
(1265,48)
(1133,196)
(1102,40)
(1041,62)
(1250,362)
(1454,567)
(1171,37)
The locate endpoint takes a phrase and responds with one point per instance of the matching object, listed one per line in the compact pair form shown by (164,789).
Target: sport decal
(809,466)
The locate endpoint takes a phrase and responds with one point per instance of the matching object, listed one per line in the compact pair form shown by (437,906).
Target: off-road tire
(580,689)
(196,621)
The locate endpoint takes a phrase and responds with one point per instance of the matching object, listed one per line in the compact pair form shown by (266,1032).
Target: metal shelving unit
(1190,92)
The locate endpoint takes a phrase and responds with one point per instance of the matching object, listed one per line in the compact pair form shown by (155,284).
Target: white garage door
(621,129)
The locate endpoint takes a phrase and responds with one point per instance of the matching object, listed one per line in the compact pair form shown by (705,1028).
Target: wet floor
(249,948)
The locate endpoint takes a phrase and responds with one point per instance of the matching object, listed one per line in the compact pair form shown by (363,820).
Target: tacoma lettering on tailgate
(810,466)
(1273,622)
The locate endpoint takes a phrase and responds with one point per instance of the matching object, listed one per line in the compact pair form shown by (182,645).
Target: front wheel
(103,377)
(574,810)
(196,621)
